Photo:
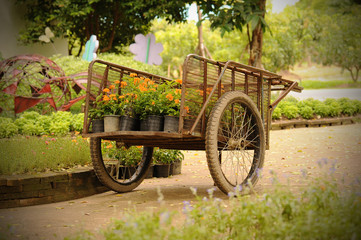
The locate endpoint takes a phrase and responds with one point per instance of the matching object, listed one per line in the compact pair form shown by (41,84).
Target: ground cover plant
(319,211)
(32,154)
(291,108)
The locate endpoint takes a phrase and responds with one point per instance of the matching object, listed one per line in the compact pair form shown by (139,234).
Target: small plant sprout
(160,195)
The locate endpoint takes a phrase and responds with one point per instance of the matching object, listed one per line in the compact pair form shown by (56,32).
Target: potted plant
(110,105)
(172,101)
(167,162)
(97,119)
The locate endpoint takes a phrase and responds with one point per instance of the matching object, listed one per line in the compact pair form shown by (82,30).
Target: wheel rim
(238,143)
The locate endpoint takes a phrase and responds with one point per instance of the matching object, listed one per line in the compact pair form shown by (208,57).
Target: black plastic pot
(97,125)
(162,170)
(152,123)
(171,124)
(128,123)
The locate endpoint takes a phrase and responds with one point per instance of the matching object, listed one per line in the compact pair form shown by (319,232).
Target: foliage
(114,22)
(31,123)
(290,111)
(339,32)
(306,112)
(320,211)
(21,154)
(310,108)
(133,155)
(7,128)
(166,156)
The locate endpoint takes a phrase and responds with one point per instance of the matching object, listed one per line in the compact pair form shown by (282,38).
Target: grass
(32,154)
(319,77)
(320,211)
(315,84)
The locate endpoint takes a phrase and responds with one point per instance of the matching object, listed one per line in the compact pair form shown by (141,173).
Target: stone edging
(27,190)
(279,125)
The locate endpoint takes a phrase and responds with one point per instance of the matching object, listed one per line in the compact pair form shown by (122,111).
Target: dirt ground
(293,155)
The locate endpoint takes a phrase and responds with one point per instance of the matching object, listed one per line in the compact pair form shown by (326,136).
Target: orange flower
(178,91)
(117,82)
(113,96)
(179,81)
(110,146)
(169,97)
(142,88)
(153,102)
(133,75)
(123,84)
(176,101)
(147,80)
(151,82)
(136,80)
(106,98)
(111,87)
(139,146)
(142,78)
(106,90)
(187,109)
(122,96)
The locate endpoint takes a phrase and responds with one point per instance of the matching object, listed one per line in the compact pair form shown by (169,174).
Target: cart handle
(282,96)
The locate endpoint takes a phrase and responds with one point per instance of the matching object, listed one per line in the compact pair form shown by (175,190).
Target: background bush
(311,108)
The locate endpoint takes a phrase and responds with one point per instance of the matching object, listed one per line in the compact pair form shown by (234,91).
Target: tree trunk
(200,34)
(256,42)
(116,18)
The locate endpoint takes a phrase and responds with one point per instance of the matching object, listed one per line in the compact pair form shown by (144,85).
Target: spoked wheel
(109,172)
(235,142)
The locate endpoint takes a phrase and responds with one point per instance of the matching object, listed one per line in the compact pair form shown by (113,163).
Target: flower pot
(128,123)
(111,123)
(152,123)
(97,125)
(176,167)
(171,124)
(161,170)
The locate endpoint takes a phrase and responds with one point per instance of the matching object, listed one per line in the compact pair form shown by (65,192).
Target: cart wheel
(109,172)
(235,142)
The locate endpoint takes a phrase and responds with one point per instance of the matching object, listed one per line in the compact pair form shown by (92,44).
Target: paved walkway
(293,153)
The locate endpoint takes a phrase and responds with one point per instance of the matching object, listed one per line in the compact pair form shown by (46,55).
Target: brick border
(279,125)
(27,190)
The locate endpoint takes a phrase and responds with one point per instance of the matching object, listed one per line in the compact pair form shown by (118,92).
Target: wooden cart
(229,117)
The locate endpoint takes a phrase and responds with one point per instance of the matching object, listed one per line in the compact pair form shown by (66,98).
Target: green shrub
(77,122)
(290,111)
(59,128)
(306,112)
(277,113)
(7,129)
(347,106)
(357,105)
(31,129)
(321,109)
(5,120)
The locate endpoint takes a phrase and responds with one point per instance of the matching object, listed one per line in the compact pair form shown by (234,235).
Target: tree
(114,22)
(229,15)
(339,37)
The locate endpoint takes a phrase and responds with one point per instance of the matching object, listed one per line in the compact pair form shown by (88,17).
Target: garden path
(293,155)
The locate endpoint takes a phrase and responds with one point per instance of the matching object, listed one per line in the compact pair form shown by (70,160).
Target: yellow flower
(106,90)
